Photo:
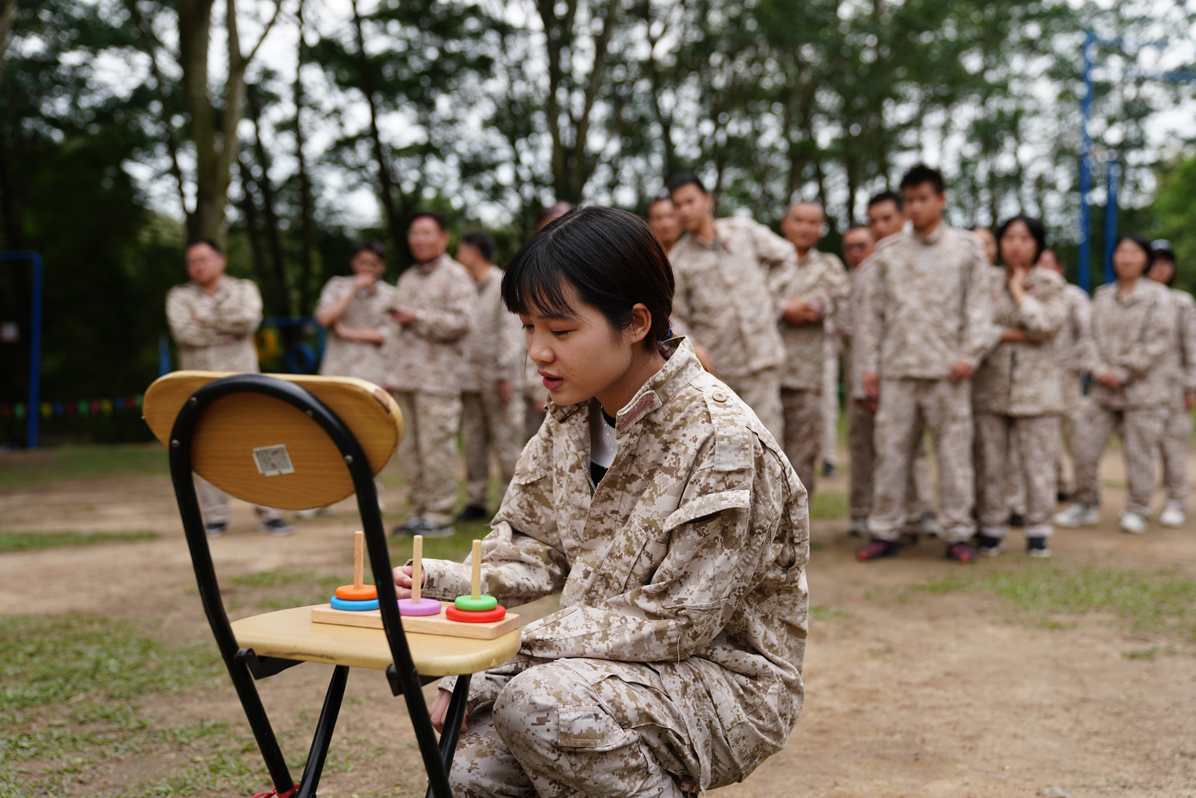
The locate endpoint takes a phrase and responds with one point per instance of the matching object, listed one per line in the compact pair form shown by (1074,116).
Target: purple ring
(424,607)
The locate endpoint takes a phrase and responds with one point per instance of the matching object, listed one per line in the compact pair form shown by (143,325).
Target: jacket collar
(680,368)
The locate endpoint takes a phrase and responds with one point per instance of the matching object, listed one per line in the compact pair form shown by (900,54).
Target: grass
(32,541)
(49,465)
(829,504)
(1143,601)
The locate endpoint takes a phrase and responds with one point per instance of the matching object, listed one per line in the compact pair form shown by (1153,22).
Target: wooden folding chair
(297,443)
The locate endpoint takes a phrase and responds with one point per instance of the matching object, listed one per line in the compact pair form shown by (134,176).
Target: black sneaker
(276,527)
(989,546)
(1037,547)
(878,549)
(408,527)
(215,530)
(829,469)
(472,512)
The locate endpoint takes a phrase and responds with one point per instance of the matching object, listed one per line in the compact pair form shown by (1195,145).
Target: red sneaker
(878,549)
(961,552)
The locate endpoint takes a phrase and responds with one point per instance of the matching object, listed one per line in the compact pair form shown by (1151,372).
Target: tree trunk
(306,212)
(386,189)
(280,301)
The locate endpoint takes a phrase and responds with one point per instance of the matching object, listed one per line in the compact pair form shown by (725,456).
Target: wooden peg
(475,584)
(358,559)
(417,568)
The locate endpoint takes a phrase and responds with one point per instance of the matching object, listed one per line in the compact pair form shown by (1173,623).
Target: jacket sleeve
(511,347)
(979,333)
(186,330)
(869,321)
(679,319)
(720,539)
(522,557)
(1187,338)
(1042,316)
(240,312)
(450,322)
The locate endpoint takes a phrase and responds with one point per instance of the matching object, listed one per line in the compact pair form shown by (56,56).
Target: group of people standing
(933,337)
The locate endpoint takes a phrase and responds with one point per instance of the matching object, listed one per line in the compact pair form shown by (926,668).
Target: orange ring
(350,593)
(489,616)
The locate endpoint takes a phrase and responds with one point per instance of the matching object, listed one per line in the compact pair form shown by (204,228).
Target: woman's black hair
(373,247)
(610,257)
(1037,232)
(1143,244)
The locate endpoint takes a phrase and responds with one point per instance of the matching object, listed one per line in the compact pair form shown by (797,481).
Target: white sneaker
(859,527)
(1077,515)
(1133,523)
(930,526)
(1172,515)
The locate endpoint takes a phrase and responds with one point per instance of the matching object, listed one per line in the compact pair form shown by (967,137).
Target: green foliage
(1175,209)
(56,464)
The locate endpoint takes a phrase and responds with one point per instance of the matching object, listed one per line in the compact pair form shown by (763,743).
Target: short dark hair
(195,242)
(1162,249)
(920,174)
(482,242)
(441,222)
(685,179)
(663,198)
(1033,225)
(1141,242)
(375,247)
(610,257)
(886,196)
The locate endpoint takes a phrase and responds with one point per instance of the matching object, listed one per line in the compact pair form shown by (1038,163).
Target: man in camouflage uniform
(925,323)
(1073,347)
(675,661)
(810,288)
(213,318)
(355,310)
(492,402)
(1178,427)
(662,218)
(722,300)
(424,360)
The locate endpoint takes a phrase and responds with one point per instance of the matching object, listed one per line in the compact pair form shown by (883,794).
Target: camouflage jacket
(845,325)
(1185,339)
(689,554)
(818,276)
(426,355)
(927,305)
(367,311)
(214,332)
(722,298)
(1073,344)
(1134,339)
(1022,379)
(494,345)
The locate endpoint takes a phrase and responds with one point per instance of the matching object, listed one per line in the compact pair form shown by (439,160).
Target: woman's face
(1018,247)
(1129,260)
(579,357)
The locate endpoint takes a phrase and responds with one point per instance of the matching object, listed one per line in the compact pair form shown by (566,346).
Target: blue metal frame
(35,341)
(165,366)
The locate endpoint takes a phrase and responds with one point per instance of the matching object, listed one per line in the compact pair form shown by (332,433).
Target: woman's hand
(402,577)
(1109,380)
(1015,279)
(438,712)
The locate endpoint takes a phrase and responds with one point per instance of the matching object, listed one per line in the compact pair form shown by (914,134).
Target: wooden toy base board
(425,625)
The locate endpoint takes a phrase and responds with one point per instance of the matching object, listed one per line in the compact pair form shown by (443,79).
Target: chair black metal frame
(243,665)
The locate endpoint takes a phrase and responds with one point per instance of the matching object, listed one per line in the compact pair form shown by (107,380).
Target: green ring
(470,604)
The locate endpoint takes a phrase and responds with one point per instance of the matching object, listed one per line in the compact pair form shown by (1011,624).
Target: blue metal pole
(35,351)
(1110,216)
(164,365)
(1085,167)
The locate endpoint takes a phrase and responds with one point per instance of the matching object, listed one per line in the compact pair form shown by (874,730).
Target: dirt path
(910,692)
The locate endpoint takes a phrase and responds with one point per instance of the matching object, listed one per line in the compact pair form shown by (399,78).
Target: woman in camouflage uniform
(656,503)
(1016,395)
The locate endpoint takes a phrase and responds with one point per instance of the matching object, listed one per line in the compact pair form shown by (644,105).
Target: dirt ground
(909,692)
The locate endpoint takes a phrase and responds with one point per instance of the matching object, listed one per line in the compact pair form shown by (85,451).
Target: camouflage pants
(861,425)
(1175,455)
(213,504)
(762,393)
(829,429)
(1075,404)
(803,432)
(1140,430)
(907,408)
(484,418)
(1015,482)
(427,456)
(574,727)
(1036,439)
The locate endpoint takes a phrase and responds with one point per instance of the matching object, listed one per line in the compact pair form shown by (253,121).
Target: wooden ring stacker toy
(476,608)
(357,597)
(414,606)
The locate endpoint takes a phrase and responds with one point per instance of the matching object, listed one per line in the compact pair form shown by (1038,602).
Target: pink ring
(424,607)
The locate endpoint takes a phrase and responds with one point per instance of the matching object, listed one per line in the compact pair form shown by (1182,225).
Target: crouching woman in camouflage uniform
(670,522)
(1016,396)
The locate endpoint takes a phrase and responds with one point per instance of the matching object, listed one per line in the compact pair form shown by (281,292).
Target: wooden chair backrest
(236,445)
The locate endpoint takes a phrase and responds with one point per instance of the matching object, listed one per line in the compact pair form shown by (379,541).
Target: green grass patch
(829,504)
(33,541)
(50,465)
(1144,601)
(820,613)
